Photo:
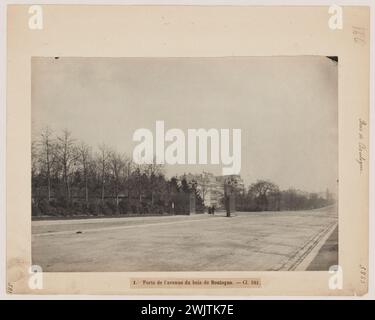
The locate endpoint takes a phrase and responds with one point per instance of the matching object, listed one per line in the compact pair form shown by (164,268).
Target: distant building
(211,187)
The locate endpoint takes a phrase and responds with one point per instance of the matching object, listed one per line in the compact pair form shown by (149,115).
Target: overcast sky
(286,108)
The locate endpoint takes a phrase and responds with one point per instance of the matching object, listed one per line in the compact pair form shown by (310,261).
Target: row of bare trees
(69,177)
(266,196)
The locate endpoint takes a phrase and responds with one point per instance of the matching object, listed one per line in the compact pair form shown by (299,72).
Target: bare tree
(84,157)
(203,184)
(34,158)
(261,190)
(138,177)
(118,166)
(103,164)
(153,170)
(47,156)
(67,155)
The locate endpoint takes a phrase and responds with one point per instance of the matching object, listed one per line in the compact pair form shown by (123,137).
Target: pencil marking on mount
(359,35)
(362,147)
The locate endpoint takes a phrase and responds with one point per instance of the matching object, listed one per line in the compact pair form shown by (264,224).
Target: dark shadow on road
(327,255)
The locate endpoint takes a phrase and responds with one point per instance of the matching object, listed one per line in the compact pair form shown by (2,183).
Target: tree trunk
(86,193)
(68,192)
(103,192)
(49,187)
(117,204)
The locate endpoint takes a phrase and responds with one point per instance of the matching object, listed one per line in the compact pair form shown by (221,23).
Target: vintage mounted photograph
(188,150)
(184,164)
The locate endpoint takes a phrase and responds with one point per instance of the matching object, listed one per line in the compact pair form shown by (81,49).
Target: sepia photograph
(188,151)
(184,164)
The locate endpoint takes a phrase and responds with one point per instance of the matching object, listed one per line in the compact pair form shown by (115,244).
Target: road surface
(260,241)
